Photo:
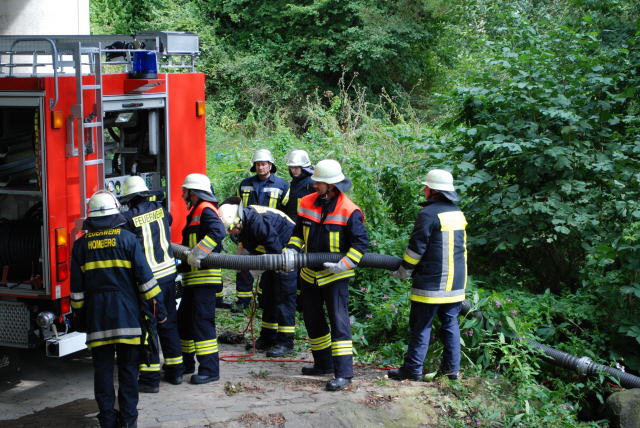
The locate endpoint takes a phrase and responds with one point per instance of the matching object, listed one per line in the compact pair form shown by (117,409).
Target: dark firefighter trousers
(244,287)
(128,360)
(335,296)
(278,304)
(169,339)
(197,327)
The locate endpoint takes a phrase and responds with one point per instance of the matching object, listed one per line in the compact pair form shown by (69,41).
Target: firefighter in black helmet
(110,281)
(150,221)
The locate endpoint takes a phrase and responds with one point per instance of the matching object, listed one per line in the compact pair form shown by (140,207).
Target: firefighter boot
(315,371)
(200,379)
(402,374)
(338,384)
(279,351)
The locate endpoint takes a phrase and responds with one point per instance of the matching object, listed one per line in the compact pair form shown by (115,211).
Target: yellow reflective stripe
(270,325)
(245,198)
(243,294)
(147,242)
(273,199)
(346,274)
(261,249)
(447,299)
(193,241)
(206,347)
(102,264)
(285,199)
(354,254)
(164,241)
(166,271)
(150,368)
(452,220)
(77,304)
(334,242)
(450,270)
(407,258)
(342,347)
(320,343)
(296,241)
(151,293)
(286,329)
(464,286)
(188,346)
(220,294)
(131,341)
(173,361)
(305,235)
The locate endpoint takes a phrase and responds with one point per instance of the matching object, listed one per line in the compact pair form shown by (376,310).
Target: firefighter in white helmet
(265,189)
(263,230)
(150,221)
(109,277)
(328,221)
(439,277)
(203,233)
(301,184)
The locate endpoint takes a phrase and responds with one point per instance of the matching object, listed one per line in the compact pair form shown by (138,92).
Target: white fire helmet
(442,181)
(231,215)
(103,203)
(134,185)
(263,155)
(197,181)
(328,171)
(298,158)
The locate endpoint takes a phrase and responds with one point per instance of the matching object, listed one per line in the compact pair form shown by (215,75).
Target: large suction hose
(583,365)
(276,261)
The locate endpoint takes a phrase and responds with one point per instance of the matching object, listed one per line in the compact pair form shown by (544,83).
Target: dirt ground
(59,393)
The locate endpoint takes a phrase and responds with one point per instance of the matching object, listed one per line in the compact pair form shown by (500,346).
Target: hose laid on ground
(583,365)
(277,261)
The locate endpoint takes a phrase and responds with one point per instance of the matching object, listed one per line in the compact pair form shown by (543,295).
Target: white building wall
(44,17)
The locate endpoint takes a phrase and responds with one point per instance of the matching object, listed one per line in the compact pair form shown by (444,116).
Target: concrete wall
(44,17)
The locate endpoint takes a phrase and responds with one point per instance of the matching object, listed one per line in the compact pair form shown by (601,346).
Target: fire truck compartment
(21,200)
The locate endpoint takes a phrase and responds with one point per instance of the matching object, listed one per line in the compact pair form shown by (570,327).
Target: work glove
(241,251)
(335,267)
(289,259)
(402,273)
(193,260)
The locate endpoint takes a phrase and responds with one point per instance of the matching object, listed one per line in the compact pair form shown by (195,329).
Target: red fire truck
(79,114)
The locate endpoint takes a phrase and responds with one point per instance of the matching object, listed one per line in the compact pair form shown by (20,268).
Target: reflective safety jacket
(110,278)
(300,186)
(265,230)
(150,221)
(204,229)
(437,254)
(272,192)
(335,226)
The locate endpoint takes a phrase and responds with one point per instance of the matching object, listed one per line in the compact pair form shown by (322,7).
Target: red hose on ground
(246,358)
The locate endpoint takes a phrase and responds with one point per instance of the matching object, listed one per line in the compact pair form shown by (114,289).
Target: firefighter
(150,221)
(203,234)
(112,288)
(436,260)
(328,221)
(300,170)
(265,189)
(264,230)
